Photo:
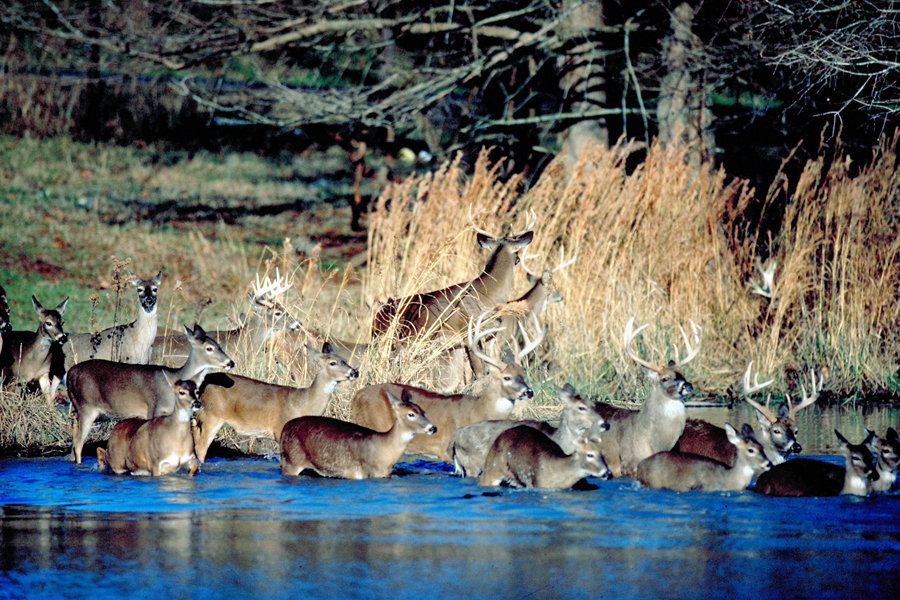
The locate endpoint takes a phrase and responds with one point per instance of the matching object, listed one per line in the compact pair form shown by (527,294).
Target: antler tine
(749,389)
(562,257)
(628,337)
(475,227)
(805,400)
(477,335)
(768,279)
(526,269)
(530,345)
(530,222)
(692,351)
(271,288)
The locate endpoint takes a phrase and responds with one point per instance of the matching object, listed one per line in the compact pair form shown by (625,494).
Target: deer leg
(81,431)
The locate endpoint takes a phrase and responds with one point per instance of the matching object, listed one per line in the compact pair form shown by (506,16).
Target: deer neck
(662,417)
(536,297)
(318,392)
(769,449)
(496,401)
(854,484)
(495,283)
(564,435)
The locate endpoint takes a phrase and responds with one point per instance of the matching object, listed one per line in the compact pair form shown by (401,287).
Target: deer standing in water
(27,356)
(446,312)
(683,472)
(123,391)
(525,457)
(371,405)
(470,444)
(636,435)
(255,407)
(156,446)
(777,432)
(247,340)
(886,451)
(129,343)
(334,448)
(801,477)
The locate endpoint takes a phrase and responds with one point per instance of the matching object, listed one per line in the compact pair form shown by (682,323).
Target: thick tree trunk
(683,112)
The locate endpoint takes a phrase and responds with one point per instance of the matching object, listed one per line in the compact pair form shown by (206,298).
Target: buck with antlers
(27,356)
(777,433)
(371,407)
(470,444)
(447,312)
(250,337)
(122,391)
(258,408)
(121,343)
(656,427)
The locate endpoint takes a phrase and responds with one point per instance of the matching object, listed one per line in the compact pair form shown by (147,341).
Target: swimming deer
(254,407)
(27,356)
(334,448)
(121,391)
(250,337)
(128,343)
(370,406)
(447,312)
(470,444)
(886,451)
(776,433)
(809,477)
(525,457)
(683,472)
(636,435)
(156,446)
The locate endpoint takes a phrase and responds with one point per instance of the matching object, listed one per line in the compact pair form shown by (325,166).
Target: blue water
(240,529)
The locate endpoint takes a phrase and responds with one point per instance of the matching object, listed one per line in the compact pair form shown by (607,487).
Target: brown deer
(257,408)
(777,433)
(122,391)
(802,477)
(656,427)
(886,451)
(525,457)
(334,448)
(156,446)
(250,337)
(470,444)
(447,312)
(128,343)
(684,472)
(27,356)
(370,406)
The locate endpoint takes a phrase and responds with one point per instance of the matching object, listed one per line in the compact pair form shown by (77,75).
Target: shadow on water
(241,529)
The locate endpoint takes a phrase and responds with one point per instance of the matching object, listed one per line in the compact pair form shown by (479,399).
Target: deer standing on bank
(470,445)
(803,477)
(525,457)
(156,446)
(129,343)
(636,435)
(27,356)
(335,448)
(123,391)
(371,405)
(255,407)
(447,312)
(683,472)
(249,339)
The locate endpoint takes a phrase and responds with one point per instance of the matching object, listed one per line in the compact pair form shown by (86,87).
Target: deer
(803,477)
(525,457)
(129,343)
(370,405)
(157,446)
(684,472)
(250,337)
(124,391)
(258,408)
(335,448)
(28,356)
(886,451)
(777,432)
(470,444)
(656,427)
(446,312)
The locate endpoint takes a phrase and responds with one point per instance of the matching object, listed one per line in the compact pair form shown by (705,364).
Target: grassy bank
(658,243)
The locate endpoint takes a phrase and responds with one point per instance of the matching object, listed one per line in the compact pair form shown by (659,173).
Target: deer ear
(37,305)
(486,242)
(731,434)
(841,438)
(784,412)
(747,431)
(327,348)
(62,306)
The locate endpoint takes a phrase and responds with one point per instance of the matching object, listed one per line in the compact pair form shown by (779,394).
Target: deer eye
(332,363)
(411,415)
(507,378)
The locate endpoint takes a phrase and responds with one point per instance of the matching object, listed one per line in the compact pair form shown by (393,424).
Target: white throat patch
(504,405)
(184,415)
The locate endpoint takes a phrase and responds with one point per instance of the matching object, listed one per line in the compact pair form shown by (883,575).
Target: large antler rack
(752,388)
(530,221)
(562,263)
(692,351)
(805,400)
(475,335)
(530,344)
(271,288)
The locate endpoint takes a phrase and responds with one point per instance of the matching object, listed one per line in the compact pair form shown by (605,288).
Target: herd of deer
(169,416)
